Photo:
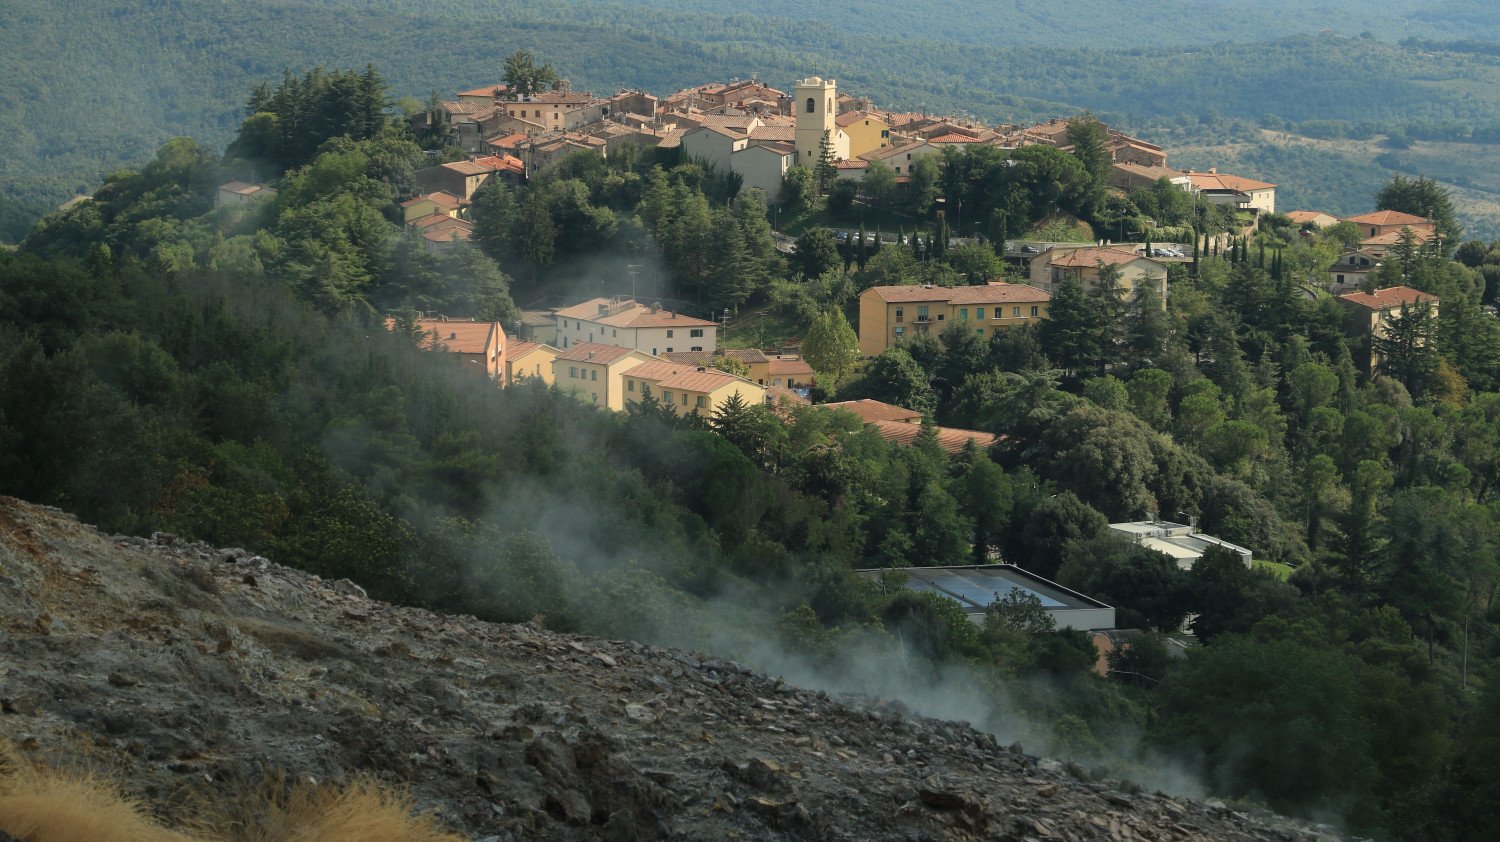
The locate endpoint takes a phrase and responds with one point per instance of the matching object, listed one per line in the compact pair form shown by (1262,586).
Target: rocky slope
(177,664)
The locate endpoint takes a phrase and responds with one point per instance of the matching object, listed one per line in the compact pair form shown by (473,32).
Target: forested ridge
(102,83)
(225,375)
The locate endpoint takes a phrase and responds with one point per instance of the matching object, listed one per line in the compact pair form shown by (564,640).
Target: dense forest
(102,83)
(224,374)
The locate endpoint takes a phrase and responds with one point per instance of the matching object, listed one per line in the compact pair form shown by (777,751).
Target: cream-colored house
(526,360)
(1238,191)
(238,193)
(1316,219)
(891,314)
(1354,267)
(593,372)
(427,204)
(764,165)
(652,330)
(900,158)
(689,389)
(1084,263)
(1379,223)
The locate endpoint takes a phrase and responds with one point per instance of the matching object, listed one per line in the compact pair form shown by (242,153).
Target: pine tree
(824,173)
(1404,348)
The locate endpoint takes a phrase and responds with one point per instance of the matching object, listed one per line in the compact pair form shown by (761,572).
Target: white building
(764,165)
(1182,542)
(628,324)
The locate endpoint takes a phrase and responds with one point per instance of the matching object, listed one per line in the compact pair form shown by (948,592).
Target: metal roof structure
(976,587)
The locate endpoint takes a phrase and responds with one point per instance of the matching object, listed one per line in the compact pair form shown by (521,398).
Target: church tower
(816,107)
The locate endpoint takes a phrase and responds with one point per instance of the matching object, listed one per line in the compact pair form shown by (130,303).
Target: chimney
(591,355)
(672,313)
(453,335)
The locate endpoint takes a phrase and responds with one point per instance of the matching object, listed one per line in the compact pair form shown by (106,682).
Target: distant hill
(99,84)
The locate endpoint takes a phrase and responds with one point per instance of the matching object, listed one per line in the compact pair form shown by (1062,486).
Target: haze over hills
(103,83)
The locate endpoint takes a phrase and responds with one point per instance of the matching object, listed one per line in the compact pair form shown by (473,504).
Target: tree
(1147,586)
(1422,197)
(831,347)
(879,187)
(978,263)
(796,190)
(922,189)
(841,194)
(824,172)
(985,497)
(523,77)
(894,377)
(1069,336)
(1404,349)
(817,253)
(1048,526)
(1087,136)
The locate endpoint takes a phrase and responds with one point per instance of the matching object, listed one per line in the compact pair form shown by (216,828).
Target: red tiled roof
(656,370)
(594,352)
(953,137)
(697,358)
(784,134)
(849,118)
(446,235)
(701,380)
(1094,255)
(1302,217)
(1387,217)
(950,439)
(442,199)
(432,219)
(487,90)
(985,294)
(851,164)
(460,337)
(1385,299)
(777,148)
(496,163)
(777,394)
(789,365)
(1390,238)
(871,411)
(1221,181)
(241,188)
(517,350)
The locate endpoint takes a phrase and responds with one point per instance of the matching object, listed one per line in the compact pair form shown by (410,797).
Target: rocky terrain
(178,665)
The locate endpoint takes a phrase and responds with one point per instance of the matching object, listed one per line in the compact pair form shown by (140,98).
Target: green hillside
(102,83)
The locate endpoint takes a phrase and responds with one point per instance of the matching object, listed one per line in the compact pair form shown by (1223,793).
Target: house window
(695,332)
(811,105)
(702,401)
(630,385)
(922,313)
(885,132)
(1016,312)
(669,334)
(898,169)
(596,397)
(1341,278)
(614,333)
(900,331)
(979,330)
(684,398)
(573,371)
(594,375)
(963,313)
(669,350)
(653,352)
(696,348)
(979,314)
(900,315)
(1034,312)
(666,396)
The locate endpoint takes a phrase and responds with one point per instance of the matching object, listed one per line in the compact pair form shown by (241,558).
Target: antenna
(632,270)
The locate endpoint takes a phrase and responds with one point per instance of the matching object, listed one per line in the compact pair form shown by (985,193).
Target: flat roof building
(1180,541)
(977,587)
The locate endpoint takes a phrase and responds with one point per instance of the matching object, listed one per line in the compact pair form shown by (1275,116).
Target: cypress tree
(859,255)
(1262,263)
(1195,254)
(1148,245)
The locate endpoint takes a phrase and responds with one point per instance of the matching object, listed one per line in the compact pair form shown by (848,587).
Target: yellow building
(594,372)
(889,315)
(529,359)
(688,389)
(866,132)
(1084,264)
(427,204)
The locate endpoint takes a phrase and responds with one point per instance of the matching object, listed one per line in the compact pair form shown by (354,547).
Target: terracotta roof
(559,98)
(487,90)
(701,380)
(242,188)
(697,358)
(950,439)
(432,219)
(849,118)
(508,141)
(985,294)
(442,199)
(891,151)
(782,149)
(466,168)
(789,365)
(872,410)
(517,350)
(497,163)
(851,164)
(460,337)
(1385,299)
(776,133)
(594,352)
(1390,238)
(953,137)
(1387,217)
(447,235)
(1094,255)
(1221,181)
(777,394)
(1303,217)
(657,369)
(1143,171)
(637,315)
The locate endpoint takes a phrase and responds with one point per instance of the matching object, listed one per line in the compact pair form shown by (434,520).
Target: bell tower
(815,105)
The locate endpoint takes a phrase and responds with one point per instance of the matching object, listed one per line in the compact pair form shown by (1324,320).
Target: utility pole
(632,269)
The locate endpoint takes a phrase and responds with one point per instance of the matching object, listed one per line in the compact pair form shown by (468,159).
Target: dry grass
(42,804)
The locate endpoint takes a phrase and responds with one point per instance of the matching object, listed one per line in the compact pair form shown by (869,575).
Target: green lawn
(1279,570)
(766,328)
